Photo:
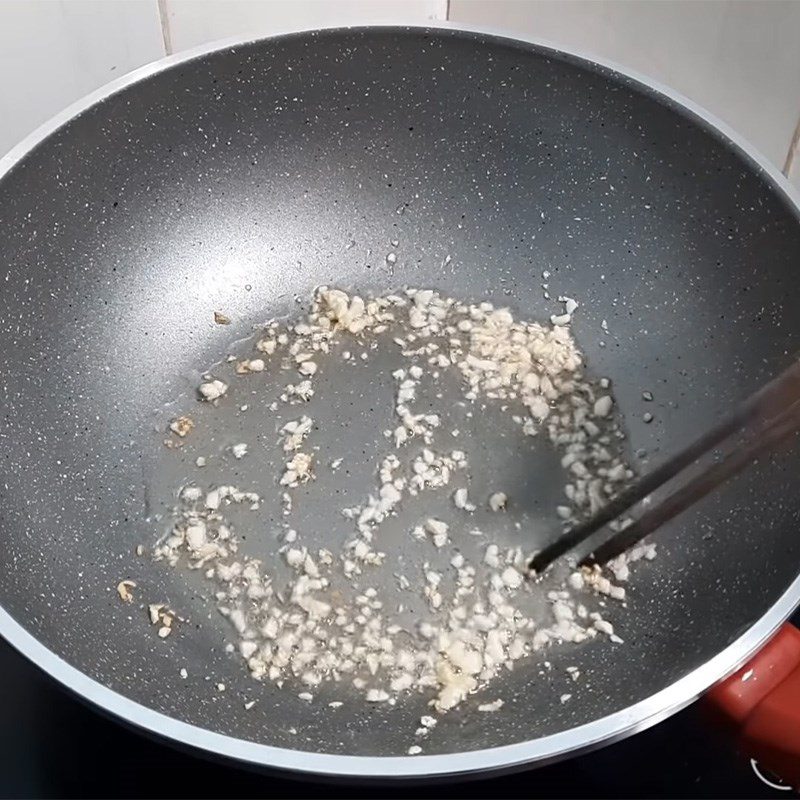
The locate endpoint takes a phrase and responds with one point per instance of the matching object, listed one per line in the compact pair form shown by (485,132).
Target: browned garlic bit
(250,365)
(182,426)
(124,590)
(162,617)
(319,617)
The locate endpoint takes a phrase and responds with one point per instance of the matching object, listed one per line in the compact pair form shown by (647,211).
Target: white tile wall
(738,58)
(53,53)
(193,22)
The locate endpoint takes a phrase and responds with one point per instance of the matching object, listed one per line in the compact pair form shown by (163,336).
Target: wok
(241,177)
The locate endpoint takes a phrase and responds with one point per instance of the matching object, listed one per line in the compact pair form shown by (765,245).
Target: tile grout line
(794,145)
(163,15)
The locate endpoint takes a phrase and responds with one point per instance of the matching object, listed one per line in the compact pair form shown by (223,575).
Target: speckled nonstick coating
(237,181)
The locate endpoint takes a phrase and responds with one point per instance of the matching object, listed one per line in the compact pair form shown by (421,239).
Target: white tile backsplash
(53,53)
(193,22)
(738,58)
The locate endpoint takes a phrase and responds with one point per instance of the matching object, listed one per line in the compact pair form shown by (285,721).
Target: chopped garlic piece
(498,501)
(295,432)
(298,470)
(461,500)
(239,450)
(307,368)
(312,617)
(182,426)
(602,406)
(438,531)
(213,389)
(250,365)
(124,590)
(512,578)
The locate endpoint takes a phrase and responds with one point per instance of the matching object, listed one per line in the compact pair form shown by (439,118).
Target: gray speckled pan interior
(241,180)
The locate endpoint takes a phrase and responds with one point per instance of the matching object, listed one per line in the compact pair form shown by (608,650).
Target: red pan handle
(760,704)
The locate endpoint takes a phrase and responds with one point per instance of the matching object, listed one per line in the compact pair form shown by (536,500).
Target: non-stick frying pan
(240,178)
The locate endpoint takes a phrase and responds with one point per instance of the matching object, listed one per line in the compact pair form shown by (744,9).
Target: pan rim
(553,747)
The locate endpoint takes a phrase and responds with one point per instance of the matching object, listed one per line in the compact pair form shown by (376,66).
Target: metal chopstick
(764,410)
(701,485)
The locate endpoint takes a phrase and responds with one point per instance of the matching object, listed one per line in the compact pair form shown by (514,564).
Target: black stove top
(54,746)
